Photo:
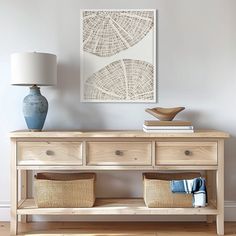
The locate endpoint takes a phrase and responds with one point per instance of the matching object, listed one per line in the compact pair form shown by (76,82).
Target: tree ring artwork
(118,56)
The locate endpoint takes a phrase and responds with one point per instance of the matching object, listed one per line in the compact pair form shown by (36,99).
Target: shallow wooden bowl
(164,114)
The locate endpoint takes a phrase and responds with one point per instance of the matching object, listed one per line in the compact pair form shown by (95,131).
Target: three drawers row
(117,153)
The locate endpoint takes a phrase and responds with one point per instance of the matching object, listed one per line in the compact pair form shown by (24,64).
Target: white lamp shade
(33,68)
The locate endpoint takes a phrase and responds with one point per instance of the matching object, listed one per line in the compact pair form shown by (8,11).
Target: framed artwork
(118,56)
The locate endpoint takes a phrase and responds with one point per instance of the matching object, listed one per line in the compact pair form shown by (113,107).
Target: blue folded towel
(196,187)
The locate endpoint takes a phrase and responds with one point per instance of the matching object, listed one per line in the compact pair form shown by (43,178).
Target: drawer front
(186,153)
(49,153)
(119,153)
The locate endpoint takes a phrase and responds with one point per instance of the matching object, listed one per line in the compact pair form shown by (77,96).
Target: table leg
(14,191)
(220,189)
(23,191)
(210,194)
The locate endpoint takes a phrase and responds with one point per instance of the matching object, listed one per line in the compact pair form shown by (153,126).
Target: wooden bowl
(164,114)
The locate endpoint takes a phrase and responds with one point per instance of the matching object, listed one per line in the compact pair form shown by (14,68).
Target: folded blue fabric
(196,187)
(199,192)
(182,186)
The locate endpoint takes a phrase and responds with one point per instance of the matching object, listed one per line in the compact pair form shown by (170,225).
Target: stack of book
(175,126)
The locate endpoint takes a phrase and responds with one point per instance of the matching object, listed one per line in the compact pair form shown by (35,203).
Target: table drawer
(119,153)
(186,153)
(49,153)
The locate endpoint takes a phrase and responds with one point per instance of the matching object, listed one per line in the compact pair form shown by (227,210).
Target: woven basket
(157,190)
(64,189)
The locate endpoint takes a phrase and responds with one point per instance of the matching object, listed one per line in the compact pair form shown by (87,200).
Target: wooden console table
(117,150)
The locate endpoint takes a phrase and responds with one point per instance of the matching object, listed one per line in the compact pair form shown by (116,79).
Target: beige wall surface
(196,68)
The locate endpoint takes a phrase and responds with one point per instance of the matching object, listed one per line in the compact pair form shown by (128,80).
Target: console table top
(115,134)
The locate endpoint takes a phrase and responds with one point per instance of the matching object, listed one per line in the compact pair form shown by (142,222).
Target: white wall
(196,69)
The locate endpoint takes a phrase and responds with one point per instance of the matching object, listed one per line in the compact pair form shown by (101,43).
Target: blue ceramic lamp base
(35,108)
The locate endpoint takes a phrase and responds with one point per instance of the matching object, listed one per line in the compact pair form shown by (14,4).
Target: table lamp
(34,69)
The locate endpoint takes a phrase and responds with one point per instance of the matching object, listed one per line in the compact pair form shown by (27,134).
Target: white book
(168,131)
(168,127)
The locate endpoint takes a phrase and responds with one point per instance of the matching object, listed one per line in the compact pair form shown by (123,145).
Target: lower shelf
(113,206)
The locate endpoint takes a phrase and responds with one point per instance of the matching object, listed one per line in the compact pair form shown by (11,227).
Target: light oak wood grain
(220,189)
(115,134)
(119,153)
(23,191)
(98,151)
(118,229)
(49,153)
(125,168)
(113,206)
(186,153)
(210,191)
(14,191)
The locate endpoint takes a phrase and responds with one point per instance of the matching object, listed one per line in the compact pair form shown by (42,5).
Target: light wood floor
(120,228)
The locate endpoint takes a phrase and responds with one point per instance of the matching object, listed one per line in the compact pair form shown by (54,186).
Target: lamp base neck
(35,90)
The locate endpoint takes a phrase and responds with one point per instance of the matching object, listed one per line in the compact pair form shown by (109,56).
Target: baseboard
(4,211)
(230,210)
(230,215)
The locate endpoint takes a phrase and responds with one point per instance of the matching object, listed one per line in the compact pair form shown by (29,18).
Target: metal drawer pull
(187,153)
(118,153)
(49,153)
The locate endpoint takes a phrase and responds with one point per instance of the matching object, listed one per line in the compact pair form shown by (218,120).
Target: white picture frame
(138,61)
